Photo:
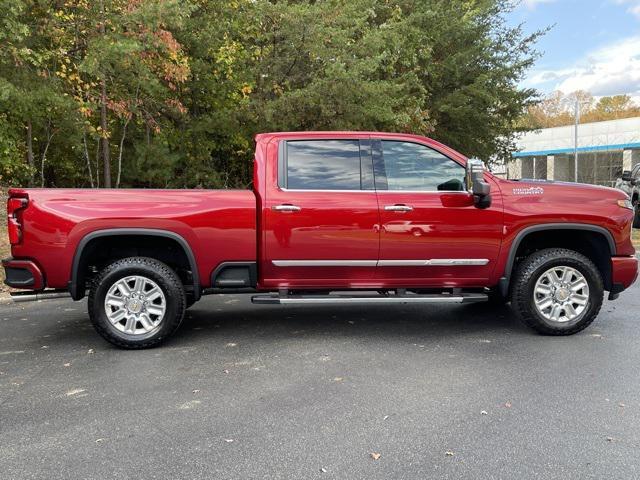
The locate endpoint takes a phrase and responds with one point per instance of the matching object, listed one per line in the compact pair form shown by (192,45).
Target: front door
(431,233)
(321,215)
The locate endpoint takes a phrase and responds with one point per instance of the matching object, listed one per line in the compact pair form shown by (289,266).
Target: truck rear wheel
(136,302)
(557,291)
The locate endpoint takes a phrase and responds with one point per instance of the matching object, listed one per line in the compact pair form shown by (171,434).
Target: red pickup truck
(334,217)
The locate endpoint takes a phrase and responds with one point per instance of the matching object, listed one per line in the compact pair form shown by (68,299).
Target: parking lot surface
(252,392)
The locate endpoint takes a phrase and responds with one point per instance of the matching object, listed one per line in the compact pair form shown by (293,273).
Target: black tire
(149,268)
(532,268)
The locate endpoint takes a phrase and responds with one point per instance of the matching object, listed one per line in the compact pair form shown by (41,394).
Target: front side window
(410,166)
(323,165)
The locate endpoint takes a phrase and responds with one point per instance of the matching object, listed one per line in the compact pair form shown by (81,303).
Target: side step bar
(276,299)
(35,296)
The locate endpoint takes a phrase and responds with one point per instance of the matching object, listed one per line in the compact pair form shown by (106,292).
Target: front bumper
(23,274)
(624,271)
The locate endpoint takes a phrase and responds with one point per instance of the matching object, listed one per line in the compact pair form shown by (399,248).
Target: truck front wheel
(557,291)
(136,302)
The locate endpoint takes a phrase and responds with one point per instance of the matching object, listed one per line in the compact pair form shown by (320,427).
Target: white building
(605,149)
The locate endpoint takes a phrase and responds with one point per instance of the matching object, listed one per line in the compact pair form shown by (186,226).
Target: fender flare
(74,287)
(503,285)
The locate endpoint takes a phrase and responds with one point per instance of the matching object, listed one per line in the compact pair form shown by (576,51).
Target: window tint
(323,165)
(409,166)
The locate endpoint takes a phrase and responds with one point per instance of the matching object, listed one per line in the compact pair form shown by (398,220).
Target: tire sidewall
(595,291)
(174,300)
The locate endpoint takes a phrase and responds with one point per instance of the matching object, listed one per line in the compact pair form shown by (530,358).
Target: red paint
(625,270)
(218,225)
(233,225)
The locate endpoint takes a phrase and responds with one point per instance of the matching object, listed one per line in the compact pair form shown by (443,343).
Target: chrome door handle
(398,208)
(286,208)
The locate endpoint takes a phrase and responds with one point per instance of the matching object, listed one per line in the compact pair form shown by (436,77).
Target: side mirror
(476,183)
(626,176)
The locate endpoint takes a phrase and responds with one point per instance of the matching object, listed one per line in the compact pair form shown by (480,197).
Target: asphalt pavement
(270,392)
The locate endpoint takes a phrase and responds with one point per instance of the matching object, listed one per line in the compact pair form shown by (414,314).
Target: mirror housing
(476,184)
(626,176)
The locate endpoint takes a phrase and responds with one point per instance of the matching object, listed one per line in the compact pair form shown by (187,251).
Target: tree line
(169,93)
(558,109)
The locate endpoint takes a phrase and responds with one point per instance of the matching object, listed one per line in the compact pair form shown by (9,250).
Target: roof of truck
(266,137)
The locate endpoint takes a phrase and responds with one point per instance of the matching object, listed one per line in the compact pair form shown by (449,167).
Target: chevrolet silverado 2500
(333,217)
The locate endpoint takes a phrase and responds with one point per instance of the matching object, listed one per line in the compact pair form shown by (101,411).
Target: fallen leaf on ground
(189,405)
(375,456)
(75,391)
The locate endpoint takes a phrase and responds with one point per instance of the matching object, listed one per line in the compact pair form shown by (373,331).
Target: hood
(539,186)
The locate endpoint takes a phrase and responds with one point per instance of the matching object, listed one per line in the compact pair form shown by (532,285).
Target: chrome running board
(365,299)
(18,297)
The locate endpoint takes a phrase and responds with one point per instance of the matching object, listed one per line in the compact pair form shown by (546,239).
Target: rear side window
(323,165)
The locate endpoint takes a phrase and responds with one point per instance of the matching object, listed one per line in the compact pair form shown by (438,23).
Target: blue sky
(594,45)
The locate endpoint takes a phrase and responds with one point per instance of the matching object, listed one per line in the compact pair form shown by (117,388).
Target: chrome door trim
(434,262)
(324,263)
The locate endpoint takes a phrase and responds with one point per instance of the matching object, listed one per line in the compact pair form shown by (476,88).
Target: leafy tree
(169,93)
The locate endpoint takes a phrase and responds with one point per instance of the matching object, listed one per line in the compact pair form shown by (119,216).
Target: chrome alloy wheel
(561,294)
(135,305)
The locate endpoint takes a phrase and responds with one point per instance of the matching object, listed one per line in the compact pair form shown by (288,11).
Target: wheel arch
(77,282)
(603,261)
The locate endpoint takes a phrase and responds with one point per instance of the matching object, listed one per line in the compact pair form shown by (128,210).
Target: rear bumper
(624,271)
(23,274)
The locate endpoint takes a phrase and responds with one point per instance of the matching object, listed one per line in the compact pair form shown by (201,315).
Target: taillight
(14,206)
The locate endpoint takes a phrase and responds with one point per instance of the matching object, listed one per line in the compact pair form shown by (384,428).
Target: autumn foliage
(169,93)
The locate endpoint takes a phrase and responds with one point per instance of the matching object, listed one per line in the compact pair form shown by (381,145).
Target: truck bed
(219,225)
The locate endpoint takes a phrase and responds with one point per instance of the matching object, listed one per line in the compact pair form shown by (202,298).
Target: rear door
(321,215)
(431,233)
